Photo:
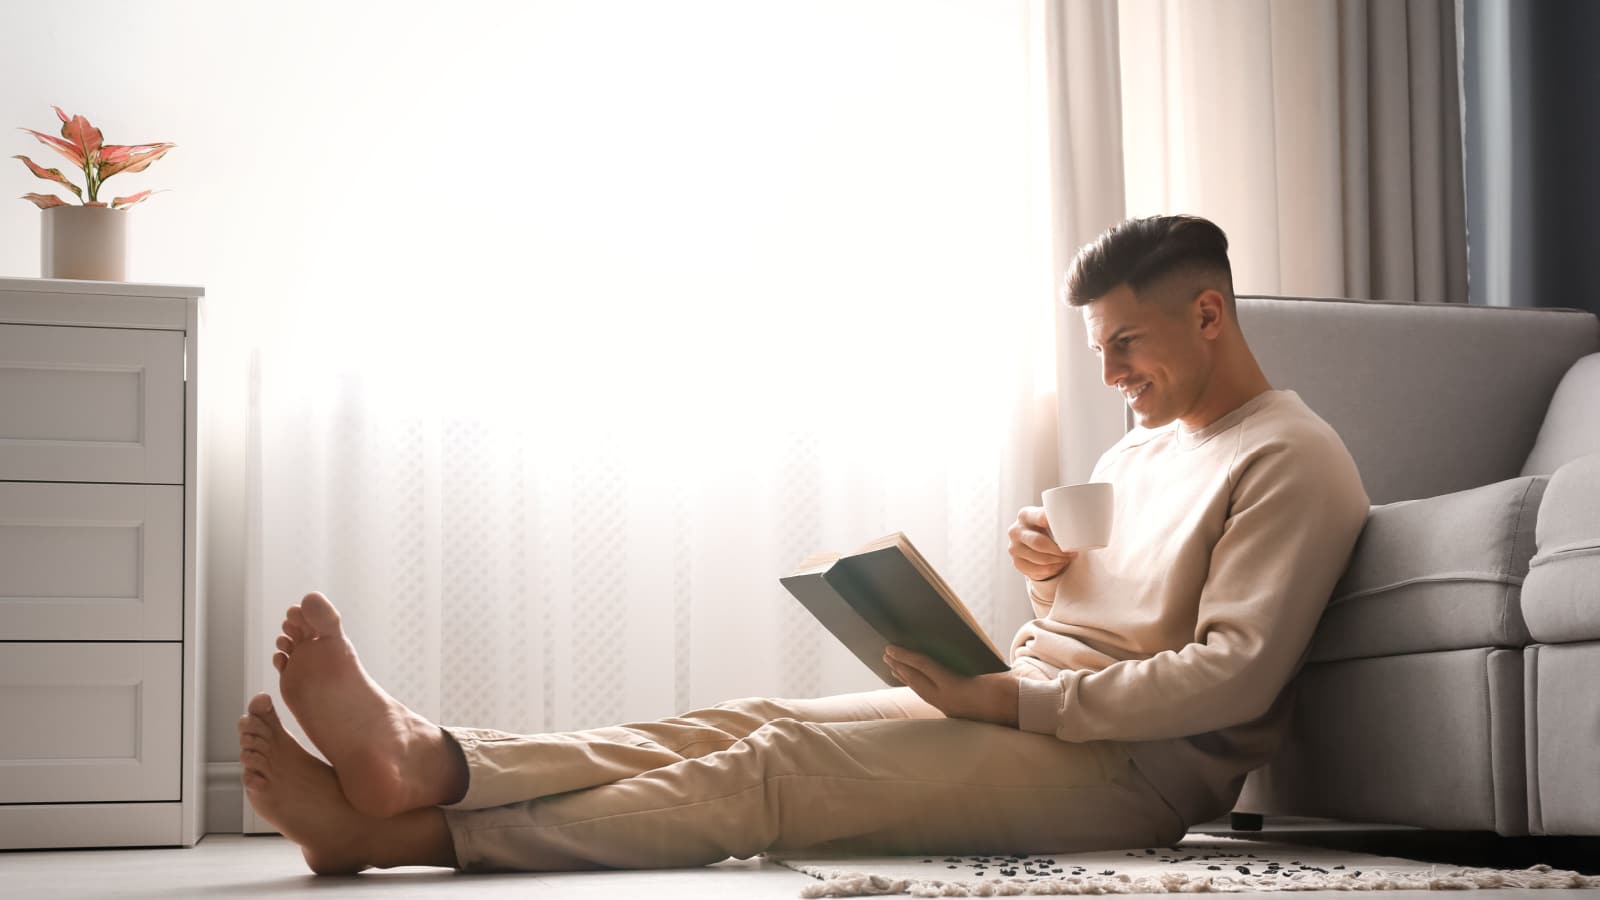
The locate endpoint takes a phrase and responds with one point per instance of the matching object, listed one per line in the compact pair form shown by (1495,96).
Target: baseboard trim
(224,798)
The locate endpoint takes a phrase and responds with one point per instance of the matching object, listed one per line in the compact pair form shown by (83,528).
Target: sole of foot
(387,758)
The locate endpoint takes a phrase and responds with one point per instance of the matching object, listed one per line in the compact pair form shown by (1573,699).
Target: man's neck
(1228,391)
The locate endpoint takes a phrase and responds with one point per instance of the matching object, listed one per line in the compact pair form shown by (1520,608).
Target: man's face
(1150,352)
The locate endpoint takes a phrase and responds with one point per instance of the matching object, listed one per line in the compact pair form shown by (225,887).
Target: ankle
(416,838)
(453,768)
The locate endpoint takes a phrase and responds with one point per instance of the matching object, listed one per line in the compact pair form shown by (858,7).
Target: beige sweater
(1180,636)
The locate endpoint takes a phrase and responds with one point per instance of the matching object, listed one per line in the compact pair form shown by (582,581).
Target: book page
(816,562)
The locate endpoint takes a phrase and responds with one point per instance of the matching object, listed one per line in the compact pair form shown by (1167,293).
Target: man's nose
(1111,371)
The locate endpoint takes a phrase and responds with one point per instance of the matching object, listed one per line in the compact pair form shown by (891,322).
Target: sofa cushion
(1571,426)
(1561,598)
(1442,573)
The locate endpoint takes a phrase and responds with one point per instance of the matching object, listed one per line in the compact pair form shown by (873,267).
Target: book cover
(886,593)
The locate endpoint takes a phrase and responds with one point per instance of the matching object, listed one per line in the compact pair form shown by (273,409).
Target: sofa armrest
(1442,573)
(1561,598)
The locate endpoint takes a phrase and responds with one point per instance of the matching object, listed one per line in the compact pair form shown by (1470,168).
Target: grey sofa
(1454,681)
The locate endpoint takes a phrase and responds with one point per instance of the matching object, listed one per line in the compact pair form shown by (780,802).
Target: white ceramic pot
(84,242)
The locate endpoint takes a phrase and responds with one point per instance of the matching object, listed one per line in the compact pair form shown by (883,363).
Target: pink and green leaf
(44,201)
(81,134)
(135,159)
(50,175)
(116,153)
(61,147)
(131,199)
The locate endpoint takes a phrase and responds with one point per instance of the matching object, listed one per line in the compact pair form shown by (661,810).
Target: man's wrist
(1003,706)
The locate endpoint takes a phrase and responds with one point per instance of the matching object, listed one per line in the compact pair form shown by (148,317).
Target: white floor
(233,867)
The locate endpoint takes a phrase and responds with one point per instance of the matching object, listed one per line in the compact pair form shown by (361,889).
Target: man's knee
(760,708)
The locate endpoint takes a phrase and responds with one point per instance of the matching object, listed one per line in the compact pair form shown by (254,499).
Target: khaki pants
(880,773)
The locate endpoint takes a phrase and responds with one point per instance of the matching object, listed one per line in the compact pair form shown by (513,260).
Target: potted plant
(88,239)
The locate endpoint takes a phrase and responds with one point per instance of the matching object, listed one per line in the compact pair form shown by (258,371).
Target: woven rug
(1199,863)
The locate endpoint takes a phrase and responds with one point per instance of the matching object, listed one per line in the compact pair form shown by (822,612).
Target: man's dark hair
(1138,252)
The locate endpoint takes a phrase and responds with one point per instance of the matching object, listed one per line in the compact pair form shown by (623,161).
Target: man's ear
(1209,312)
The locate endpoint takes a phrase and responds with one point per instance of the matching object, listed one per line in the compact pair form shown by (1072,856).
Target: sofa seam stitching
(1516,539)
(1581,547)
(1488,702)
(1440,578)
(1530,698)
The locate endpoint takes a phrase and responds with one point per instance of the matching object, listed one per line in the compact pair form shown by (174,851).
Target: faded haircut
(1140,252)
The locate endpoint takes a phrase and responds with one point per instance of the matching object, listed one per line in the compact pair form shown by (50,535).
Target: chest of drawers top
(104,304)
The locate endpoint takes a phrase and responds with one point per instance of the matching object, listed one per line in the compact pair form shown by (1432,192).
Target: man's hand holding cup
(1033,551)
(1075,517)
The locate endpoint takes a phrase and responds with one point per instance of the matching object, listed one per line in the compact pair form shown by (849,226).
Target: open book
(886,593)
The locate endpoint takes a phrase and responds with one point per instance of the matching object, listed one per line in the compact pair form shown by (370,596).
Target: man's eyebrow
(1114,335)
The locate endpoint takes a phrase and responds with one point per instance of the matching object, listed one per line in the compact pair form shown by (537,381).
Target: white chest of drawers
(100,611)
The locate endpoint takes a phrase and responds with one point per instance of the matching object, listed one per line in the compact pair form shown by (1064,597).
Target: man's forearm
(1002,704)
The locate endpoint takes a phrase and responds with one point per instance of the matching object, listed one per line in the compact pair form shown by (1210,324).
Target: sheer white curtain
(1325,138)
(1079,67)
(630,306)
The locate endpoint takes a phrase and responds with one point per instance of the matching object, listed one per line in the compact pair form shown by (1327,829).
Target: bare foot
(387,758)
(299,794)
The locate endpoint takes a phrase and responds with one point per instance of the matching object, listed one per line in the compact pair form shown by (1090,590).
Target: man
(1151,682)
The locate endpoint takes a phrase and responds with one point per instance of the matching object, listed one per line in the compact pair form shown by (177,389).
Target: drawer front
(90,722)
(91,404)
(91,562)
(63,825)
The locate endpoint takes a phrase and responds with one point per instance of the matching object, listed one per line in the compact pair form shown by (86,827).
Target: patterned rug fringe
(1540,876)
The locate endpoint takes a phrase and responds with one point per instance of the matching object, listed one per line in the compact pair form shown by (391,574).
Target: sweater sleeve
(1042,594)
(1293,520)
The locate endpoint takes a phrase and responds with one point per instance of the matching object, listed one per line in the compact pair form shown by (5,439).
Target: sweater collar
(1188,440)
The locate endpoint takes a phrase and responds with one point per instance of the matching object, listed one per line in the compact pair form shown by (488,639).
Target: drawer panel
(91,562)
(90,722)
(91,404)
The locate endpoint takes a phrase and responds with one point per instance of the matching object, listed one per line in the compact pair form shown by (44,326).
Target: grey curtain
(1404,191)
(1532,121)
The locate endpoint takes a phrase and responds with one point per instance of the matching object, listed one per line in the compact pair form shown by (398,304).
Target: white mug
(1079,515)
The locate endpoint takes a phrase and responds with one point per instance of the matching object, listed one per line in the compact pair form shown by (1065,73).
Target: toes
(261,707)
(320,614)
(254,781)
(285,644)
(254,762)
(296,626)
(253,726)
(280,661)
(256,742)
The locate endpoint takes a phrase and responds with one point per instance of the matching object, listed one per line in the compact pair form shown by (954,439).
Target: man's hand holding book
(981,698)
